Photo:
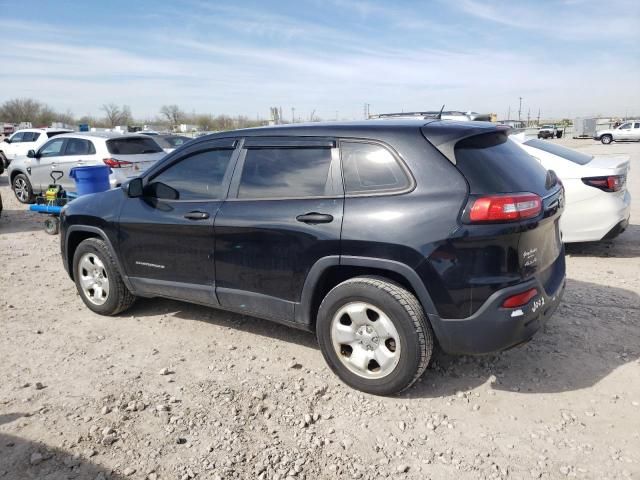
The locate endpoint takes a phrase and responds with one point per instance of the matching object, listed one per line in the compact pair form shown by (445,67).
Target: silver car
(627,132)
(127,156)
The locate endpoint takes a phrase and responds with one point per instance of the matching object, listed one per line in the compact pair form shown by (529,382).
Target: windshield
(564,152)
(132,146)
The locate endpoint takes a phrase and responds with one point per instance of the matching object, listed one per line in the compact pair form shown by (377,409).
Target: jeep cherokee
(385,237)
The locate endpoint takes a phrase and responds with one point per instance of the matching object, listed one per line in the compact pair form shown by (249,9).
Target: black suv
(384,237)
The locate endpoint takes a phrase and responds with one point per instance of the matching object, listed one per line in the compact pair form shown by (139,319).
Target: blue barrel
(91,179)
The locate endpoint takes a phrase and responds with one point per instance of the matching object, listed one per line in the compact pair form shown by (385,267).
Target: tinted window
(52,148)
(16,137)
(636,125)
(79,146)
(491,164)
(27,137)
(285,172)
(53,134)
(369,167)
(132,146)
(34,136)
(564,152)
(197,177)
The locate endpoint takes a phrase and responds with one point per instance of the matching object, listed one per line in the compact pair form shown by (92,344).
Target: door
(48,159)
(78,152)
(166,236)
(11,147)
(624,132)
(284,212)
(636,131)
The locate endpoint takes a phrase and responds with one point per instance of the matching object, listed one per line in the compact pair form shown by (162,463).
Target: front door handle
(196,215)
(314,217)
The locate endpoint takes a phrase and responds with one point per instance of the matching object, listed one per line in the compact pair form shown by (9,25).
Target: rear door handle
(196,215)
(314,217)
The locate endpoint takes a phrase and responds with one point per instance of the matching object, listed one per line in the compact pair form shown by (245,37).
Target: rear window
(285,173)
(564,152)
(132,146)
(53,134)
(492,164)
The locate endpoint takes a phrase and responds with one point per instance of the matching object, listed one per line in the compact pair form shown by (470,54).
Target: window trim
(379,192)
(201,148)
(289,143)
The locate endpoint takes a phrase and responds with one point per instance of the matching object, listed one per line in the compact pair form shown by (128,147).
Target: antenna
(439,117)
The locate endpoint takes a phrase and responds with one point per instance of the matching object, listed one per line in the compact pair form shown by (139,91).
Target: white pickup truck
(629,131)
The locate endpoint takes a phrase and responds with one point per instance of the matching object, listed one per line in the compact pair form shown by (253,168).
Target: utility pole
(538,117)
(529,117)
(293,115)
(366,111)
(520,109)
(508,113)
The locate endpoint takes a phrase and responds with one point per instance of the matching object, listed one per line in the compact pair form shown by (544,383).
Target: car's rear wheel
(22,188)
(3,161)
(606,139)
(374,335)
(98,279)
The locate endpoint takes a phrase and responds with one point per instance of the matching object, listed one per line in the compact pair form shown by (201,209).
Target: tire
(22,188)
(368,318)
(93,253)
(52,225)
(3,161)
(606,139)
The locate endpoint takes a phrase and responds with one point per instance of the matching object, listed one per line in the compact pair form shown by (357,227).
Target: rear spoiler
(444,135)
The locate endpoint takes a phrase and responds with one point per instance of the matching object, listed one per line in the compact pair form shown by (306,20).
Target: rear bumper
(493,328)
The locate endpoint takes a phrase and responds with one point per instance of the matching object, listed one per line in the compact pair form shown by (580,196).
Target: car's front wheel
(98,279)
(606,139)
(374,335)
(22,188)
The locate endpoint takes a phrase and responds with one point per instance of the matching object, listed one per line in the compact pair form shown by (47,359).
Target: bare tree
(112,113)
(20,110)
(173,114)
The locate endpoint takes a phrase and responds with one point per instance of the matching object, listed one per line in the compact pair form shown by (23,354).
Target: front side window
(53,148)
(34,136)
(79,146)
(625,126)
(17,137)
(196,177)
(285,173)
(369,168)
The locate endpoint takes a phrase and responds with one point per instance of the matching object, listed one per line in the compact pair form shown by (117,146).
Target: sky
(325,57)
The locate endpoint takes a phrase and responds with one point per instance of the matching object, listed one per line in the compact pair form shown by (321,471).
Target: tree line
(40,114)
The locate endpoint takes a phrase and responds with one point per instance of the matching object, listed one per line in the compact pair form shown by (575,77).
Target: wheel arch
(75,235)
(328,272)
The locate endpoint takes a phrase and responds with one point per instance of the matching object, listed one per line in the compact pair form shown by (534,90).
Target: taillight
(612,183)
(114,163)
(520,299)
(505,208)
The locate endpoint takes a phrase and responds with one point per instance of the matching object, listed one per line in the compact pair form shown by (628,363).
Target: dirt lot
(175,391)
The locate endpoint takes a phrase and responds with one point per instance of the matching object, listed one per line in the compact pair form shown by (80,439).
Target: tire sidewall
(405,370)
(98,248)
(606,139)
(29,188)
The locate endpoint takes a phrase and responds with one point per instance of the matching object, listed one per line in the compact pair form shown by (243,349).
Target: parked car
(170,142)
(598,204)
(423,241)
(627,132)
(18,144)
(126,155)
(549,131)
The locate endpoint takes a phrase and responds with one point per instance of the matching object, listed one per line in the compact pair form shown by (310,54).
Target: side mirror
(6,140)
(134,188)
(31,154)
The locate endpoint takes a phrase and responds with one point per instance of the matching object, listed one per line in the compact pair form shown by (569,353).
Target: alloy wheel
(93,278)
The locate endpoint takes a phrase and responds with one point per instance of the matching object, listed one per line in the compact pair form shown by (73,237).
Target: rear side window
(285,172)
(564,152)
(79,146)
(636,125)
(492,164)
(28,137)
(196,177)
(371,168)
(132,146)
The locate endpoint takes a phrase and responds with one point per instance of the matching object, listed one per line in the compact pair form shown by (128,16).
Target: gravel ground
(174,391)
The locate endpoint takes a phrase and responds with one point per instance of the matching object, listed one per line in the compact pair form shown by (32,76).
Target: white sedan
(597,201)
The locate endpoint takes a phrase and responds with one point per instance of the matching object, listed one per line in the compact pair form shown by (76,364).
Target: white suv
(18,144)
(127,155)
(628,131)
